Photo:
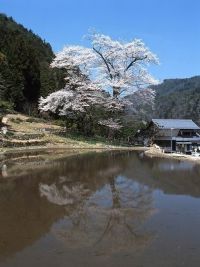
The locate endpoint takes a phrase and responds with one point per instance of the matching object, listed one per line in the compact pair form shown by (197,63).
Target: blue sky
(170,28)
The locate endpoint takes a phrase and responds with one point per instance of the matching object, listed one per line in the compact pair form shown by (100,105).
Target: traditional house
(173,134)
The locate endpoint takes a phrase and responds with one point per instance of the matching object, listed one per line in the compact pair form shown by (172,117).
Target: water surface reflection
(104,205)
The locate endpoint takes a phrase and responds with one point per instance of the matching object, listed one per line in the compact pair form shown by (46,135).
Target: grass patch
(27,131)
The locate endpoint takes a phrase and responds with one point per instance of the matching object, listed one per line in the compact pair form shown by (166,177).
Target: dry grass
(21,125)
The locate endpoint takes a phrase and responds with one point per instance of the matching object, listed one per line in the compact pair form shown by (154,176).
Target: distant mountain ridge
(169,86)
(173,98)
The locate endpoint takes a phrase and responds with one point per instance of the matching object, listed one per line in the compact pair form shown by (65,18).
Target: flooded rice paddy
(99,209)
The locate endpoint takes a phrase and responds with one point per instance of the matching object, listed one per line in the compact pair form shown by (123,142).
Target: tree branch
(133,61)
(104,60)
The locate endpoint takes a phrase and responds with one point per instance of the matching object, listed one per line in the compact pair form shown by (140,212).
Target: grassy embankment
(28,132)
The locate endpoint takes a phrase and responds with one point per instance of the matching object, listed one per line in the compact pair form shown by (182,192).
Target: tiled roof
(175,124)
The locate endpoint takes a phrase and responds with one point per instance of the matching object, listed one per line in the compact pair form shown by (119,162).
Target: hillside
(25,132)
(24,66)
(142,104)
(174,98)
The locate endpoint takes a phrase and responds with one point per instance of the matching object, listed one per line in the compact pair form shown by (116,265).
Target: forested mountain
(174,98)
(24,66)
(142,105)
(178,98)
(169,86)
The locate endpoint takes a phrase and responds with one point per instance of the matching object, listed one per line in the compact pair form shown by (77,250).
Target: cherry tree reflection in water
(107,220)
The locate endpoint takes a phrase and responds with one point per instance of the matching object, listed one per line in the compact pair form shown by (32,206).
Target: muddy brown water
(100,209)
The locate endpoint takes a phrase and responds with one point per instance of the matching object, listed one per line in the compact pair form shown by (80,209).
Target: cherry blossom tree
(98,77)
(79,100)
(78,97)
(117,65)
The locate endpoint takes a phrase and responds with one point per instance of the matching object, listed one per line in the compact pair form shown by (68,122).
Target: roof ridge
(175,123)
(174,119)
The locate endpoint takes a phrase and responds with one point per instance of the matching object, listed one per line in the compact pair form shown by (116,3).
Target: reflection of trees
(131,206)
(109,219)
(63,195)
(100,201)
(83,197)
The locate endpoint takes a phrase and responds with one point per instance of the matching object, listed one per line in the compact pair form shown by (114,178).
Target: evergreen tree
(24,66)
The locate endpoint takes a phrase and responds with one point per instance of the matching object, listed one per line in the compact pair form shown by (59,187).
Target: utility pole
(171,139)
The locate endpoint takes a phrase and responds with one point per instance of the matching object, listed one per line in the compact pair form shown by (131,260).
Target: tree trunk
(115,193)
(116,91)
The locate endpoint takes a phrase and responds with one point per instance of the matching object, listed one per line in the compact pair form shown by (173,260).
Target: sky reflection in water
(108,209)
